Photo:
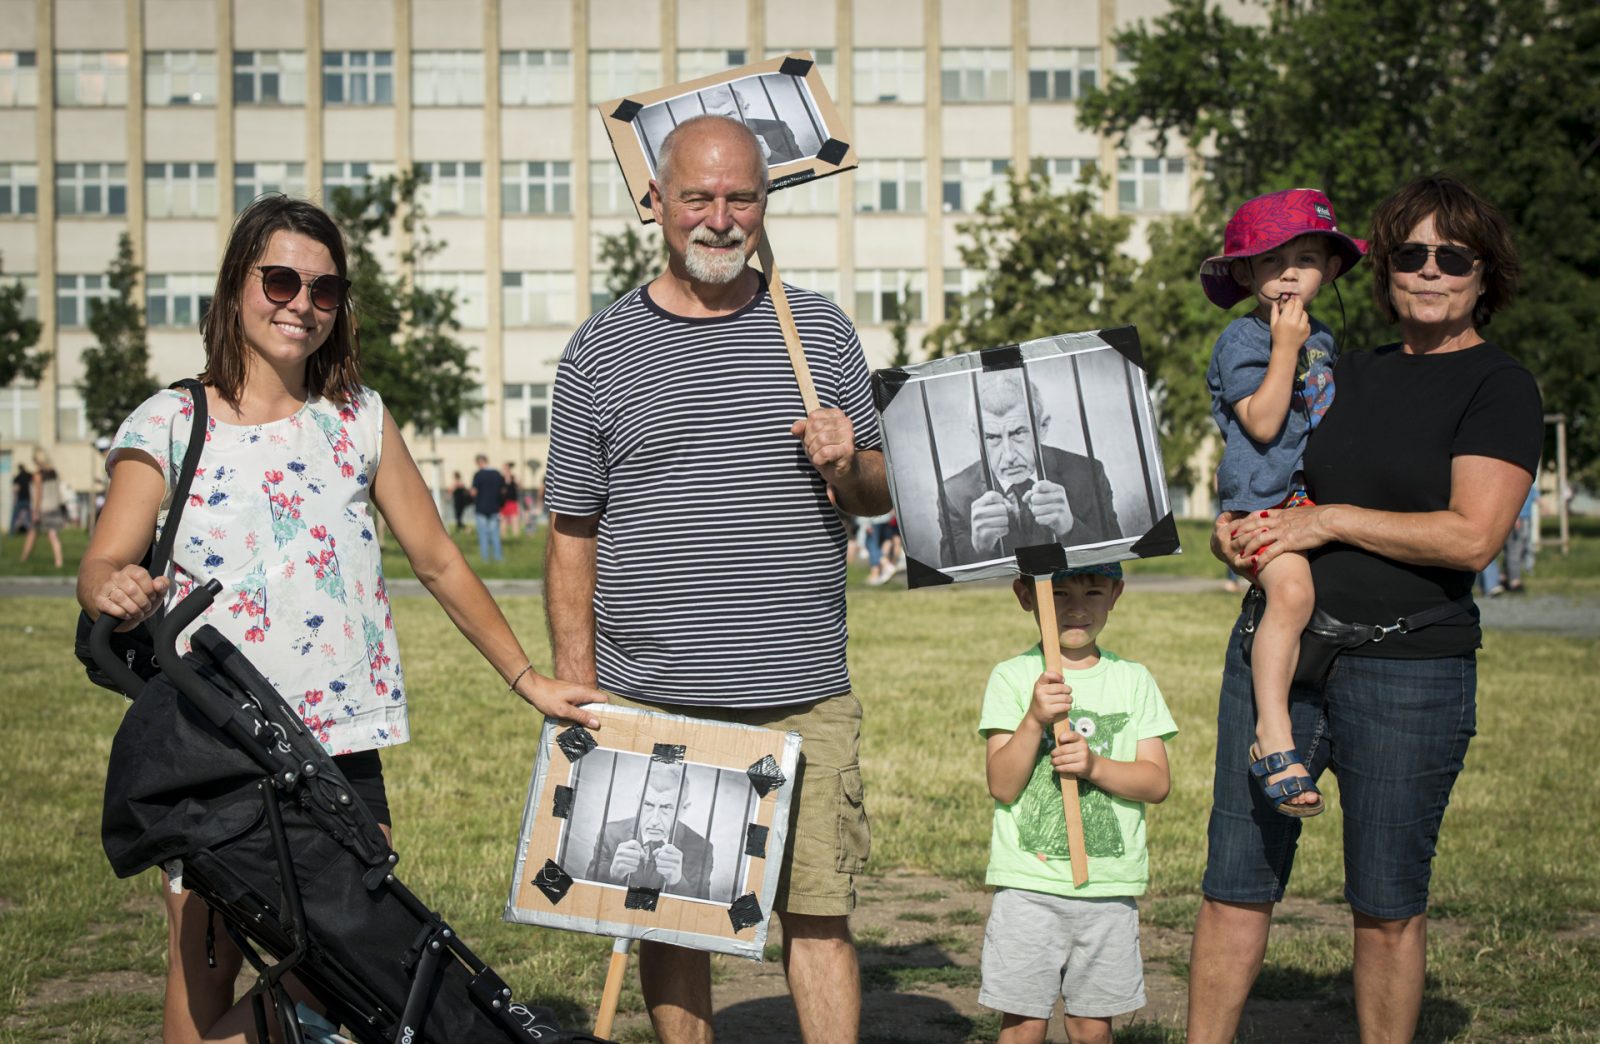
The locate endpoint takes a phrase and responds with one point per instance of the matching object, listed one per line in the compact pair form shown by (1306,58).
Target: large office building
(161,118)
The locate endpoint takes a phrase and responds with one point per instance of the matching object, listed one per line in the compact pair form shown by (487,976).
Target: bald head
(711,131)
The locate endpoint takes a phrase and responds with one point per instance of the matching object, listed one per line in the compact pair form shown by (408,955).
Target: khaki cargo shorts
(829,838)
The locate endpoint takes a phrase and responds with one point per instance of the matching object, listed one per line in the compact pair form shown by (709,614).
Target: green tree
(1355,98)
(409,350)
(900,331)
(18,336)
(116,368)
(630,260)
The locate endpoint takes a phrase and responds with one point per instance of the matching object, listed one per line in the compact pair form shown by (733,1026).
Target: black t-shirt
(1387,443)
(488,488)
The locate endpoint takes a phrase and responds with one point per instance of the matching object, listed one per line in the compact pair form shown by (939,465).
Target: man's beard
(707,267)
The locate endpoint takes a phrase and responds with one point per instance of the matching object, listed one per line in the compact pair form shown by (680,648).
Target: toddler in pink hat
(1271,381)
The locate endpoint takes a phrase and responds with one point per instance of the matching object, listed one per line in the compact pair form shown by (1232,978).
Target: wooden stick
(613,990)
(1050,639)
(791,336)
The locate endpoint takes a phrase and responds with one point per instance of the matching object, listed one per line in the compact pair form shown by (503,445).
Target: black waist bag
(1326,636)
(136,646)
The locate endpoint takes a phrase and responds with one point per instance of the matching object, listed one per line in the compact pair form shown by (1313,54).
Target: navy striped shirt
(720,569)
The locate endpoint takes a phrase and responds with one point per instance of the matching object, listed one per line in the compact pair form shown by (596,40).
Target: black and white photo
(777,107)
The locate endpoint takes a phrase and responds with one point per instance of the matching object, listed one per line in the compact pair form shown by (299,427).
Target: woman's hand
(1260,536)
(1222,542)
(131,594)
(560,699)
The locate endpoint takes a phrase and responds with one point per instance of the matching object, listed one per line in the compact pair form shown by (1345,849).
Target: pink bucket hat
(1270,221)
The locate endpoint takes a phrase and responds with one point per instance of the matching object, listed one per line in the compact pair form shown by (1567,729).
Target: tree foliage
(18,336)
(630,260)
(116,368)
(1356,98)
(409,350)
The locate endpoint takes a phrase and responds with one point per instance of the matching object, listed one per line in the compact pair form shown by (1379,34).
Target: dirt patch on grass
(65,992)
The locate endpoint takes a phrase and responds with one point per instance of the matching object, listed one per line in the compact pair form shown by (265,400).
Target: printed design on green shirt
(1041,824)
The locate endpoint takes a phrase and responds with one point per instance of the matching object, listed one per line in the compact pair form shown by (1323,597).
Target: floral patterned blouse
(281,513)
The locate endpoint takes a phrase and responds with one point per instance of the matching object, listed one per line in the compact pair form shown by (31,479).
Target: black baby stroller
(211,767)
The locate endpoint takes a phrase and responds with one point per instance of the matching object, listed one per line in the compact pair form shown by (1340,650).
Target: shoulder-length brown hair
(333,371)
(1458,213)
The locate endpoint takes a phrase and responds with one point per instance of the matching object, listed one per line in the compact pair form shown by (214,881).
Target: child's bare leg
(1084,1029)
(1020,1029)
(1290,599)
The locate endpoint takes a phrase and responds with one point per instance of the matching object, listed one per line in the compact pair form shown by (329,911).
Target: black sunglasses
(281,284)
(1452,260)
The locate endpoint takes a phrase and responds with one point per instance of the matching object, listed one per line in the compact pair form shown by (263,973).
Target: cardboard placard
(642,830)
(782,100)
(1025,459)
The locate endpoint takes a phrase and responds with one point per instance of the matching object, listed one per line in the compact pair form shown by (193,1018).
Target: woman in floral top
(298,453)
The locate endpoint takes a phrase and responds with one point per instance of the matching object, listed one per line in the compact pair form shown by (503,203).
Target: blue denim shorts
(1395,734)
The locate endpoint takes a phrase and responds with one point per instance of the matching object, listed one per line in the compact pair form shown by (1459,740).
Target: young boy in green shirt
(1047,938)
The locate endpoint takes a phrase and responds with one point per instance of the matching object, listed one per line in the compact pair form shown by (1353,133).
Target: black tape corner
(561,805)
(644,201)
(795,67)
(1159,539)
(626,110)
(1005,357)
(886,384)
(755,841)
(552,881)
(833,152)
(642,898)
(1125,339)
(920,574)
(1041,559)
(745,911)
(576,742)
(667,753)
(765,775)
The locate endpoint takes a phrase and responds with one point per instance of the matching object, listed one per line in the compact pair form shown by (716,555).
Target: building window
(269,77)
(535,77)
(889,75)
(179,301)
(826,64)
(1070,173)
(180,190)
(99,189)
(19,79)
(468,291)
(254,179)
(1152,184)
(180,78)
(536,187)
(30,292)
(73,294)
(975,74)
(967,181)
(451,188)
(884,294)
(820,196)
(1061,73)
(824,281)
(608,192)
(527,410)
(536,298)
(446,78)
(613,74)
(91,78)
(693,64)
(889,185)
(19,414)
(19,189)
(352,175)
(959,286)
(72,424)
(358,77)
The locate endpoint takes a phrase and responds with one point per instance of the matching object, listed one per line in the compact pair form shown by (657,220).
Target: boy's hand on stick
(1072,756)
(1291,326)
(1052,699)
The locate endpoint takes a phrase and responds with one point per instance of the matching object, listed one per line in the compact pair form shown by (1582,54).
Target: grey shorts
(1039,947)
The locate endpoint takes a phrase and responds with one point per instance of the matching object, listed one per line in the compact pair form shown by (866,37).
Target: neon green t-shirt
(1115,704)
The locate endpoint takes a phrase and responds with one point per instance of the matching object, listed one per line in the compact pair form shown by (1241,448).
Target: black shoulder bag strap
(162,553)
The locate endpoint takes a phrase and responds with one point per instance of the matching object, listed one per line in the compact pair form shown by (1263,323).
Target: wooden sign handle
(613,989)
(791,336)
(1050,639)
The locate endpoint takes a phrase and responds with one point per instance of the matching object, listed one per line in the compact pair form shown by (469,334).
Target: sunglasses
(281,285)
(1452,260)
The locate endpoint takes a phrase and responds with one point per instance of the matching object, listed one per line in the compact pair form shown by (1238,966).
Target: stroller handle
(171,662)
(106,658)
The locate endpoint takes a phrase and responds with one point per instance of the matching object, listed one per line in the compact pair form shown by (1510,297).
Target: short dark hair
(1458,213)
(333,371)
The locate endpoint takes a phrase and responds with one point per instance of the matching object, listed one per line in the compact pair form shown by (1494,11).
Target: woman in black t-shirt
(1418,471)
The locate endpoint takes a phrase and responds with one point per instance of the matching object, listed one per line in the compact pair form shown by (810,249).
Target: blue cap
(1112,570)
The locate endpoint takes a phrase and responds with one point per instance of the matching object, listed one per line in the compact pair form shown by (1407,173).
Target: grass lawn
(1514,948)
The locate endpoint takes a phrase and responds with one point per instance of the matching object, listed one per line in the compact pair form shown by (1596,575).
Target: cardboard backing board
(782,100)
(1025,458)
(717,795)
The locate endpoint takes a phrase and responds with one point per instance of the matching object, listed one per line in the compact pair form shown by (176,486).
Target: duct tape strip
(552,881)
(1125,339)
(745,912)
(1159,539)
(765,775)
(795,178)
(755,841)
(1005,357)
(833,152)
(561,806)
(886,384)
(644,201)
(667,753)
(626,111)
(1041,559)
(920,574)
(642,898)
(576,742)
(794,67)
